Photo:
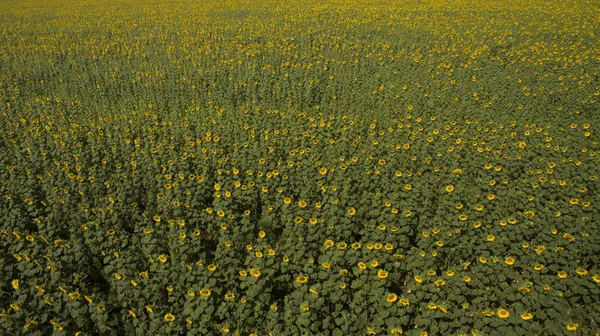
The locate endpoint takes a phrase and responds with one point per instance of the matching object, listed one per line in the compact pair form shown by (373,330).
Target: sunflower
(503,313)
(391,298)
(169,317)
(572,326)
(302,279)
(381,274)
(205,292)
(449,188)
(526,316)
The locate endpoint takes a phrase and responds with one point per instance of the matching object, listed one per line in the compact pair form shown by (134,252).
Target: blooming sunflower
(572,326)
(391,298)
(526,316)
(302,279)
(503,313)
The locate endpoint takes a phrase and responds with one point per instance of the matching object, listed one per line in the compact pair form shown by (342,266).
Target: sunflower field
(276,167)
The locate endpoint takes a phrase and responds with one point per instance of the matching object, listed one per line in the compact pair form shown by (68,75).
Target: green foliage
(294,168)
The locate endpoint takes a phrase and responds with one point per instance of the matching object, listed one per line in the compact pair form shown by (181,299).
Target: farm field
(299,167)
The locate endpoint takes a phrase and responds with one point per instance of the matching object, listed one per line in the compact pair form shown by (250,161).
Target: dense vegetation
(299,167)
